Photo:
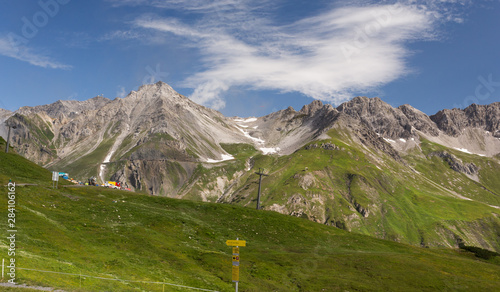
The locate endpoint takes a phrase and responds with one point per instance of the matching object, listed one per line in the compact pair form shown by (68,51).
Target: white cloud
(343,51)
(121,92)
(20,52)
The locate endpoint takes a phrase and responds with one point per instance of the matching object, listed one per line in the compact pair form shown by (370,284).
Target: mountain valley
(365,166)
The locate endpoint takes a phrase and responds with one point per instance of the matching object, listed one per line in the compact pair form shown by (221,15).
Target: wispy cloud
(121,92)
(25,54)
(72,96)
(120,35)
(341,52)
(204,6)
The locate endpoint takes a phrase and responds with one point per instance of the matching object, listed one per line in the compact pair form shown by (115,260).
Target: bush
(479,252)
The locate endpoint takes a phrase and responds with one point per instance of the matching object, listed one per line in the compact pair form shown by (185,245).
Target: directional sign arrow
(236,242)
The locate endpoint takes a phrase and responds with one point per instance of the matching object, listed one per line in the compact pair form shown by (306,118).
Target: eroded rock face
(456,164)
(68,108)
(326,146)
(387,121)
(419,120)
(154,123)
(454,121)
(289,129)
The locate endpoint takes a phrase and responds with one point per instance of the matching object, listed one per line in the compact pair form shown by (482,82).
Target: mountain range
(365,166)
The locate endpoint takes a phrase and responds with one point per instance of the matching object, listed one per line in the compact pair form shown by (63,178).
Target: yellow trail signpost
(236,242)
(236,274)
(236,259)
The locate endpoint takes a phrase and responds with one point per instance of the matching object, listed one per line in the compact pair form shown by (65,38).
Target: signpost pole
(236,259)
(237,238)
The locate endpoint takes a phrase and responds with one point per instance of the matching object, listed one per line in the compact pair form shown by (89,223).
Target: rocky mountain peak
(311,108)
(419,120)
(450,121)
(160,85)
(66,107)
(362,106)
(454,121)
(379,116)
(4,112)
(155,91)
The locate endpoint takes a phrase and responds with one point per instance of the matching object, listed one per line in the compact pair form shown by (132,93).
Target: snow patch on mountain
(260,143)
(112,151)
(247,120)
(225,157)
(257,140)
(267,151)
(467,151)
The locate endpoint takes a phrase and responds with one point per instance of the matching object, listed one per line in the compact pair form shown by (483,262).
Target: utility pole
(260,173)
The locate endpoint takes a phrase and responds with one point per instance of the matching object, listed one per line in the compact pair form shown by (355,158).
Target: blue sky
(249,58)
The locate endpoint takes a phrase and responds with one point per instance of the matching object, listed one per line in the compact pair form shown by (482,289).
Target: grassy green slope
(114,234)
(371,193)
(14,166)
(202,180)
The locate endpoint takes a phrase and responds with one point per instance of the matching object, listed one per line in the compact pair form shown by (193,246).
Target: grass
(202,178)
(109,233)
(13,166)
(350,189)
(122,235)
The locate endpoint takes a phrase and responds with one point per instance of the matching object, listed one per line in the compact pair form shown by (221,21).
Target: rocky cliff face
(4,115)
(67,108)
(453,122)
(393,123)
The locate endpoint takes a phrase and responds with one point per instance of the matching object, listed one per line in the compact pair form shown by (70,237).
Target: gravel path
(38,288)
